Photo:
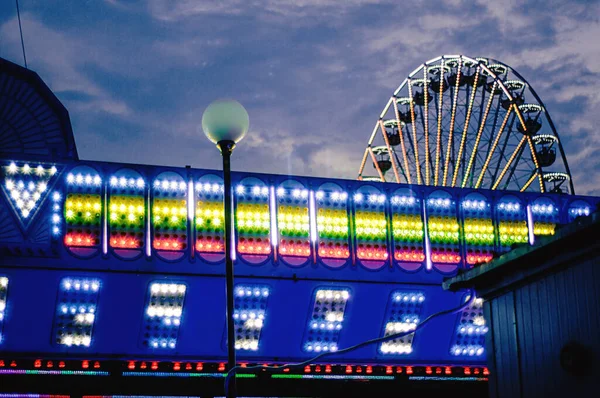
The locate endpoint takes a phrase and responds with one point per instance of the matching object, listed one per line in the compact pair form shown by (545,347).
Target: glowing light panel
(403,315)
(253,220)
(370,226)
(76,311)
(443,230)
(293,222)
(326,320)
(250,309)
(407,229)
(478,230)
(332,224)
(469,336)
(210,224)
(169,215)
(3,299)
(162,317)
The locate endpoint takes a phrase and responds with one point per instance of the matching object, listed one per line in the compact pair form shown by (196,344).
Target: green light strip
(332,377)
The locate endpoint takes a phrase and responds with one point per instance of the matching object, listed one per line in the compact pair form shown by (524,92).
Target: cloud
(61,60)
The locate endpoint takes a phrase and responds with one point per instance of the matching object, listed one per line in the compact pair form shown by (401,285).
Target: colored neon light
(293,223)
(333,233)
(253,228)
(210,226)
(186,374)
(54,372)
(170,224)
(332,377)
(371,234)
(82,217)
(127,215)
(408,235)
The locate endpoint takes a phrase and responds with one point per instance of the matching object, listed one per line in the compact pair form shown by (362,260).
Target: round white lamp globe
(225,120)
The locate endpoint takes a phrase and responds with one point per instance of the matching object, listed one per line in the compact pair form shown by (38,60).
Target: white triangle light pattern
(27,186)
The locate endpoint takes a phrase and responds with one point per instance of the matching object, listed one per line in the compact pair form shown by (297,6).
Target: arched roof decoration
(33,122)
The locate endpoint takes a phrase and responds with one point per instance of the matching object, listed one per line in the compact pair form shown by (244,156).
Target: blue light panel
(326,320)
(403,315)
(76,309)
(469,335)
(3,299)
(162,316)
(250,308)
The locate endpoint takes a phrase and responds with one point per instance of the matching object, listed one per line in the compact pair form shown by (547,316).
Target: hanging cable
(471,297)
(21,31)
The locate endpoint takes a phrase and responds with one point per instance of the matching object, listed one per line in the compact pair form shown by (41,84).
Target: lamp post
(225,123)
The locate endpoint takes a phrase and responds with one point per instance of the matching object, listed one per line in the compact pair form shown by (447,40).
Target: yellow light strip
(466,128)
(481,127)
(426,120)
(362,164)
(452,117)
(439,127)
(510,160)
(406,169)
(528,183)
(494,145)
(387,144)
(414,129)
(376,164)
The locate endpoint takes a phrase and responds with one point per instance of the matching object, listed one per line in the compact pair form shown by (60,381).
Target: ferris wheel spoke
(493,148)
(465,128)
(387,144)
(452,120)
(401,134)
(400,166)
(529,181)
(507,136)
(376,164)
(481,128)
(438,143)
(517,150)
(513,169)
(414,130)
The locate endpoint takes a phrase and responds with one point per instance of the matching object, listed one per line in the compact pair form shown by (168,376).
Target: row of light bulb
(399,327)
(74,309)
(12,168)
(167,185)
(20,188)
(474,204)
(396,348)
(404,200)
(335,196)
(166,289)
(209,188)
(76,340)
(85,285)
(333,295)
(470,330)
(412,298)
(509,206)
(246,344)
(252,292)
(123,182)
(162,311)
(162,343)
(325,347)
(250,316)
(543,209)
(80,179)
(470,350)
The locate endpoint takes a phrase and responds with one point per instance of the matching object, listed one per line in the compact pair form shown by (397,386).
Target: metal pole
(226,148)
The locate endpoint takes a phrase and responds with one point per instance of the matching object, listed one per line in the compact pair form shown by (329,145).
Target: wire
(21,31)
(233,371)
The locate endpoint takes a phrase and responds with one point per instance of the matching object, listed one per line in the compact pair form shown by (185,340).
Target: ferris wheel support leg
(362,164)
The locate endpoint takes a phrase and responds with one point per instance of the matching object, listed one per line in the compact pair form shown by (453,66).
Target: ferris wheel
(466,122)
